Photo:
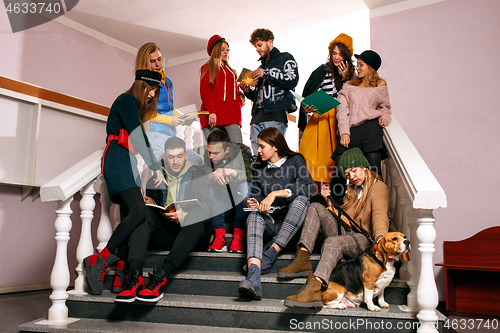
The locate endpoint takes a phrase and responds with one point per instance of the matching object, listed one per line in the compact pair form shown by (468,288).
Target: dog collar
(390,259)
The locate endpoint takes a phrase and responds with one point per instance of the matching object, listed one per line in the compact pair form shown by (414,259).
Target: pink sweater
(359,104)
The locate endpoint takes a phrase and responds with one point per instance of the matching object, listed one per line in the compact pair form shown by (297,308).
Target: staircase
(203,296)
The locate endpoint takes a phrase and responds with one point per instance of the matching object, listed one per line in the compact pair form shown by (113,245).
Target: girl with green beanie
(366,201)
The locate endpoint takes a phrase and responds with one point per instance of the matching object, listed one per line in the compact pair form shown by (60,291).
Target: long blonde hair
(372,78)
(142,58)
(215,62)
(140,90)
(351,199)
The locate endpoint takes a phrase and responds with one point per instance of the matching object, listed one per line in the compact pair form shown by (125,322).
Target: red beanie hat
(211,43)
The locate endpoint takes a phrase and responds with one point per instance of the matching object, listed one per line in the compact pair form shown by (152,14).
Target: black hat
(371,58)
(150,77)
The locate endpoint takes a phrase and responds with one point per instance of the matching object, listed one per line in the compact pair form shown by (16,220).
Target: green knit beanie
(352,158)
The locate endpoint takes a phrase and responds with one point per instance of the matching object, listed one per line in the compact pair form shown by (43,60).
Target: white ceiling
(182,27)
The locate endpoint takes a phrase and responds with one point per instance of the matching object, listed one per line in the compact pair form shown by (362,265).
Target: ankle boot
(95,266)
(251,287)
(268,258)
(300,267)
(120,276)
(309,296)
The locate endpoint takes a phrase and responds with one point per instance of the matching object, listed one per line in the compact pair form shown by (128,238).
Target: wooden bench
(472,273)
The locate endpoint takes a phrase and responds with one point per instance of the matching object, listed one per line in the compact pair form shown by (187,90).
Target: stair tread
(104,325)
(286,256)
(238,276)
(241,304)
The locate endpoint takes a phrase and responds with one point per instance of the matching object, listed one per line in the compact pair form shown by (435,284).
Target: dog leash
(343,216)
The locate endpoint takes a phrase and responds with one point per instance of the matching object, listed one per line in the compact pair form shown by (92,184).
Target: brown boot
(300,267)
(307,297)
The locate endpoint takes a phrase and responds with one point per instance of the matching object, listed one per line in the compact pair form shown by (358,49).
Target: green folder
(322,101)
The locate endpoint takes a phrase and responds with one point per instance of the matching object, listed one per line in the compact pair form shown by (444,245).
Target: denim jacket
(280,75)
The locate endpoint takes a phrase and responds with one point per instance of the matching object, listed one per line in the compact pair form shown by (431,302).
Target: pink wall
(186,83)
(58,58)
(27,244)
(54,57)
(440,63)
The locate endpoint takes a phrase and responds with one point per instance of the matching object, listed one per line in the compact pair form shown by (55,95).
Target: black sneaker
(95,267)
(134,284)
(153,291)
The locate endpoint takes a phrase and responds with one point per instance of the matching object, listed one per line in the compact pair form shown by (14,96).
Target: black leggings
(132,214)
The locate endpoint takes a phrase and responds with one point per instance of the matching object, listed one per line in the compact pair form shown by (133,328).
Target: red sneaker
(153,291)
(237,241)
(134,284)
(219,243)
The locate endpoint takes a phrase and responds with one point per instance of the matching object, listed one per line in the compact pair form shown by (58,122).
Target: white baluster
(85,246)
(427,295)
(414,264)
(59,278)
(104,230)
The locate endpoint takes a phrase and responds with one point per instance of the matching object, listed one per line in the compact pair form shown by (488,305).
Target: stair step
(221,261)
(103,325)
(215,283)
(227,312)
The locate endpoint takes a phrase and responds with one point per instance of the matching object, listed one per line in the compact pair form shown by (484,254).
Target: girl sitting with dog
(366,201)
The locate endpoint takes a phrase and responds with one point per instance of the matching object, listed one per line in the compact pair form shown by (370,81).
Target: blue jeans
(255,129)
(222,204)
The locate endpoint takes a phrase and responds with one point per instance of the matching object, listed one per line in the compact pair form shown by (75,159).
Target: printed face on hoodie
(176,160)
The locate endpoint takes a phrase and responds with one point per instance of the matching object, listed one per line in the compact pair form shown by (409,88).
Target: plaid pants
(259,224)
(345,246)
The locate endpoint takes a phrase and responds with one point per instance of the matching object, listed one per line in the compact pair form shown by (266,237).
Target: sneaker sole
(89,283)
(224,249)
(304,274)
(235,251)
(124,300)
(248,291)
(149,300)
(310,305)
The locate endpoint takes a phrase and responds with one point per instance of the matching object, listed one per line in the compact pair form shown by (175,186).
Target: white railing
(79,178)
(414,193)
(82,178)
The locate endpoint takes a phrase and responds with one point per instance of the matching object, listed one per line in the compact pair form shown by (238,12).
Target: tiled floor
(20,308)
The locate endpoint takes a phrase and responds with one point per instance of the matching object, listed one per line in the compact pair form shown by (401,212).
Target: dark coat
(193,186)
(281,75)
(119,165)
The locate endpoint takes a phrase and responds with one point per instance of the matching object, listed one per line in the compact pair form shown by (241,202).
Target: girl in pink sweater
(364,111)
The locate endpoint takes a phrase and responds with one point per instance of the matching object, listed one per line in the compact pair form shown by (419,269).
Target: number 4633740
(33,8)
(471,324)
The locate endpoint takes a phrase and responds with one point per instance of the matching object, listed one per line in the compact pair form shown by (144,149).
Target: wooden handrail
(49,95)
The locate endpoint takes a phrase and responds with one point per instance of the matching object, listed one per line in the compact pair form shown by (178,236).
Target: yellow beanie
(343,39)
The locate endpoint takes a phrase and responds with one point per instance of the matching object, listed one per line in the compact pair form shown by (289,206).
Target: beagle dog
(367,275)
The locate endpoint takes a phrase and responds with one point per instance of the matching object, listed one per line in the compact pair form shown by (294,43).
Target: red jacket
(222,97)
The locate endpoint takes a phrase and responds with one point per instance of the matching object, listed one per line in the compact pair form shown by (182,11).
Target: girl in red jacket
(219,91)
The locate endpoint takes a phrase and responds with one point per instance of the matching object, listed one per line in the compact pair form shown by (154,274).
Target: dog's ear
(381,254)
(406,256)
